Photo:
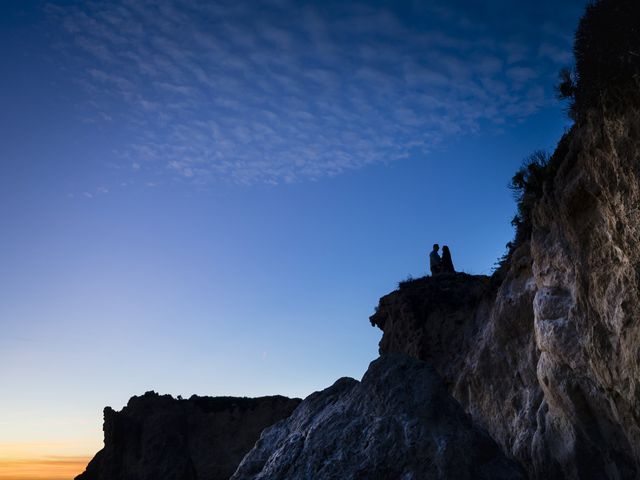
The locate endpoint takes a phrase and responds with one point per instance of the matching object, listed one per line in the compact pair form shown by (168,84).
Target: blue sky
(210,197)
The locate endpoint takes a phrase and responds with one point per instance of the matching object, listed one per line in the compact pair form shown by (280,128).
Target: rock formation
(160,438)
(547,357)
(399,422)
(482,345)
(431,318)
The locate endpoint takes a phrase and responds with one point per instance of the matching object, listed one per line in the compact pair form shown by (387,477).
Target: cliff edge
(158,437)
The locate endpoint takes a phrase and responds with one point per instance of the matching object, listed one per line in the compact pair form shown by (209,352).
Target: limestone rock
(399,422)
(161,438)
(586,266)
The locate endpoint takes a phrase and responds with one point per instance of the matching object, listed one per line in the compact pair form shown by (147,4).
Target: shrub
(607,56)
(409,279)
(566,89)
(527,186)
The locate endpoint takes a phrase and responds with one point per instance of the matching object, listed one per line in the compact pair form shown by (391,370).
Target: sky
(210,197)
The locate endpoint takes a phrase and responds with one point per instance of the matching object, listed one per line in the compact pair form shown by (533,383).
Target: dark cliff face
(431,317)
(399,422)
(158,437)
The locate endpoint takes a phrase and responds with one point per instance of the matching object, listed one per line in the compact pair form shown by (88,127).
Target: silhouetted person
(447,263)
(435,262)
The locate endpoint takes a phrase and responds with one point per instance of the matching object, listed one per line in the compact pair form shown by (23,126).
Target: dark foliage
(607,55)
(406,281)
(566,89)
(529,183)
(527,186)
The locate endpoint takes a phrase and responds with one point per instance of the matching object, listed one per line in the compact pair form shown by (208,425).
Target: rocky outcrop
(432,317)
(399,422)
(482,344)
(203,438)
(549,361)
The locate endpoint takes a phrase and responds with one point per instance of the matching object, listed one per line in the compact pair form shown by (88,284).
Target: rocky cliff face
(399,422)
(549,362)
(158,437)
(547,358)
(586,265)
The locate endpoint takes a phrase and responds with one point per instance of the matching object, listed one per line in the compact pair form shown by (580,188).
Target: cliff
(158,437)
(482,344)
(398,422)
(547,356)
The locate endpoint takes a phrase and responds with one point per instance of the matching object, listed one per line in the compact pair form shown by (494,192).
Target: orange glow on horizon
(49,468)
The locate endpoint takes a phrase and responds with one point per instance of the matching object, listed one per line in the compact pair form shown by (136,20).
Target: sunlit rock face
(549,361)
(158,437)
(399,422)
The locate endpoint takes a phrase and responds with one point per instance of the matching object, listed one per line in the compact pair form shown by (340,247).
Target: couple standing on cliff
(438,264)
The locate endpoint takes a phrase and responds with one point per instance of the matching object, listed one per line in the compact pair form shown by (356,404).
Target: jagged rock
(399,422)
(161,438)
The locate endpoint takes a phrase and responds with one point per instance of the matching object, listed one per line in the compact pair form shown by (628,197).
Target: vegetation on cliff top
(607,59)
(605,78)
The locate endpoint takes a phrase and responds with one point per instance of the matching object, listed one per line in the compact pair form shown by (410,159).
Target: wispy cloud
(272,92)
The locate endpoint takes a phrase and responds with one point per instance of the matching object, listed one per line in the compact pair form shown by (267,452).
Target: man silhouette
(435,262)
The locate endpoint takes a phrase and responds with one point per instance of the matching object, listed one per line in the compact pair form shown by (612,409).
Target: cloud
(558,54)
(521,74)
(273,92)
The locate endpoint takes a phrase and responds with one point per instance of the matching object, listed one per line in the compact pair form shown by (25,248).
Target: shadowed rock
(203,438)
(399,422)
(433,318)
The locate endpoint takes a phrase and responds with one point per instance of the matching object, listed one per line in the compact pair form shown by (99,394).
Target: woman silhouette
(447,263)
